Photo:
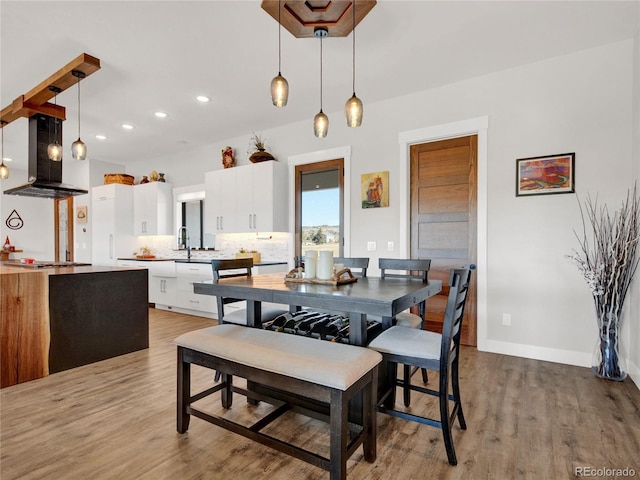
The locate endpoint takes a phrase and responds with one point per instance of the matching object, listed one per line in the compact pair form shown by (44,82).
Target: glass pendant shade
(320,125)
(54,151)
(279,91)
(353,111)
(79,150)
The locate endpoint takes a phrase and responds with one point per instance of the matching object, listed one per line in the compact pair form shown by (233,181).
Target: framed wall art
(81,214)
(374,189)
(545,175)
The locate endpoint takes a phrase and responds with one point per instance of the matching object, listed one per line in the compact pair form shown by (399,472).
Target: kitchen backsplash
(273,247)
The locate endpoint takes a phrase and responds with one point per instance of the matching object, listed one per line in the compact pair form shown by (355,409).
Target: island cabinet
(153,209)
(111,223)
(54,319)
(250,198)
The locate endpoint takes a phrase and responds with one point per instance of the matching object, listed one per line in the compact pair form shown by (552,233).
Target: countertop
(8,269)
(196,260)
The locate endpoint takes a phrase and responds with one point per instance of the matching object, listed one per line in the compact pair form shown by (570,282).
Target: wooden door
(444,219)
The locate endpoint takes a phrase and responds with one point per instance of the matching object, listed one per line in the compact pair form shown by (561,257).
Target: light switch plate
(390,246)
(371,246)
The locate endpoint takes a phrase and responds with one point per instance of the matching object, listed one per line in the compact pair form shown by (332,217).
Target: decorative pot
(144,180)
(608,363)
(260,156)
(161,177)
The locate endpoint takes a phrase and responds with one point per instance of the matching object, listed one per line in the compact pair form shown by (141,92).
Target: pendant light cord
(78,108)
(353,6)
(279,43)
(320,73)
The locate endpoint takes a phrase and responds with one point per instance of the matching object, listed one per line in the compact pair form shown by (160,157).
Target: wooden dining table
(380,297)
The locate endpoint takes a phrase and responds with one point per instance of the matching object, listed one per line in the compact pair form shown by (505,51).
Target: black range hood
(45,176)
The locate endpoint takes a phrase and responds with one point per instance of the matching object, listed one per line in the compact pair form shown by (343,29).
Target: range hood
(45,176)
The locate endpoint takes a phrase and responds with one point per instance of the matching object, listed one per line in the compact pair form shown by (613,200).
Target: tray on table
(342,277)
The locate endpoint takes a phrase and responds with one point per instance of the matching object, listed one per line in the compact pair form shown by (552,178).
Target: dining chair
(240,267)
(432,351)
(408,268)
(357,265)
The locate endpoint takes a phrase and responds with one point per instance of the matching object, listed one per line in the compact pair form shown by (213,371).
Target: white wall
(634,296)
(577,103)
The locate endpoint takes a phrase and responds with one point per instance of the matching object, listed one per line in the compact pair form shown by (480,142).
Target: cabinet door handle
(111,246)
(254,221)
(249,221)
(221,222)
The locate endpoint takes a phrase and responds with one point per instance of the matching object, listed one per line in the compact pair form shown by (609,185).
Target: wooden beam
(35,100)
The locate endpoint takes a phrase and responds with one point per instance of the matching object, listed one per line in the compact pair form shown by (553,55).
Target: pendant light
(78,148)
(54,150)
(320,121)
(353,107)
(279,84)
(4,170)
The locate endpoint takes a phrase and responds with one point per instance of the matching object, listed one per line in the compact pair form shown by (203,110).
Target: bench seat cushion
(325,363)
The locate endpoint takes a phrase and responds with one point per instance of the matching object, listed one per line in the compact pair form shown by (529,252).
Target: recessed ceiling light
(126,126)
(101,137)
(203,99)
(160,114)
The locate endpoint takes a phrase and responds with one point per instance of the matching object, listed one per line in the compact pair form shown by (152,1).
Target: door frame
(474,126)
(56,228)
(316,157)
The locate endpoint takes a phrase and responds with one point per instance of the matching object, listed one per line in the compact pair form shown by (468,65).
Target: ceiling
(158,55)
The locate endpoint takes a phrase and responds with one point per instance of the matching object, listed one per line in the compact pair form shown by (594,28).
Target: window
(319,207)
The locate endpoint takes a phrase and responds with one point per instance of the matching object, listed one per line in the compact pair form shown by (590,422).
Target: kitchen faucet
(184,232)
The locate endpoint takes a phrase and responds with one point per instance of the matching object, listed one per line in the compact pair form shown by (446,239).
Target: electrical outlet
(506,319)
(371,246)
(390,246)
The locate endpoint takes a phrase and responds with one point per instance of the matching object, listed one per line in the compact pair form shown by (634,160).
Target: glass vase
(608,362)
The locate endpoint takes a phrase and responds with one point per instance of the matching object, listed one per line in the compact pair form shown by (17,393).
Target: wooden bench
(303,375)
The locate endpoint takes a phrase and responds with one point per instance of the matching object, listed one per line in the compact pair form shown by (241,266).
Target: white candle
(325,265)
(310,267)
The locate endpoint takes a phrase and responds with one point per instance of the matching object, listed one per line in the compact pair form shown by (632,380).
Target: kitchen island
(53,319)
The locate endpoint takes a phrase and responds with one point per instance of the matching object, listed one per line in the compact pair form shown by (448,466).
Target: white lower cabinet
(187,274)
(162,283)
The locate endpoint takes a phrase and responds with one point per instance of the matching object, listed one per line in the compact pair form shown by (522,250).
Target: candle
(310,263)
(310,267)
(325,265)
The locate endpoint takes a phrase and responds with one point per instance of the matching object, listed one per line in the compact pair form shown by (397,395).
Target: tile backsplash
(273,247)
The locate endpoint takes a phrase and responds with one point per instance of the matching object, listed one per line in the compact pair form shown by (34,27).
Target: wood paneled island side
(53,319)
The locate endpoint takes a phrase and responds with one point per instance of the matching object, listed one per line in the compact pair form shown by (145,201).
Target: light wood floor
(116,420)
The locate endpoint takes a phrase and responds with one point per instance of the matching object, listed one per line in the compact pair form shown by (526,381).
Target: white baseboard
(568,357)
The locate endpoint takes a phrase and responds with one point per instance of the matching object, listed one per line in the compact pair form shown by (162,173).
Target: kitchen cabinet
(250,198)
(111,223)
(153,209)
(187,274)
(220,201)
(162,283)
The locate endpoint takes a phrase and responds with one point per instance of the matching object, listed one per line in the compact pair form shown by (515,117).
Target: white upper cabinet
(220,201)
(153,209)
(250,198)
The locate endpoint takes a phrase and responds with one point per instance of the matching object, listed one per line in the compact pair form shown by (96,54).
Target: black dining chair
(408,268)
(240,267)
(357,265)
(432,351)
